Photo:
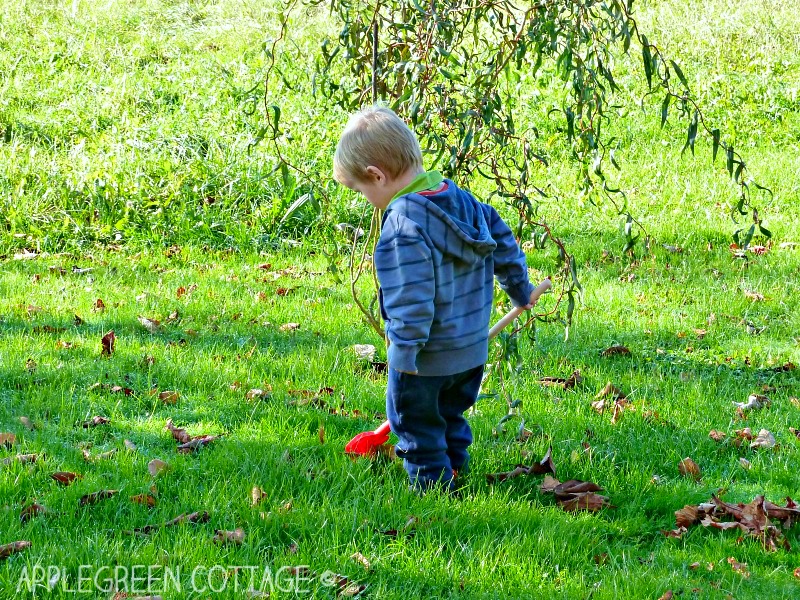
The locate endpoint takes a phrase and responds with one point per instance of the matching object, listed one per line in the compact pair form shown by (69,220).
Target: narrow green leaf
(647,58)
(664,109)
(715,144)
(730,160)
(679,73)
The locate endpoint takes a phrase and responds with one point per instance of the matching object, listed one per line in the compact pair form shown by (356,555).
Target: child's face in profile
(378,189)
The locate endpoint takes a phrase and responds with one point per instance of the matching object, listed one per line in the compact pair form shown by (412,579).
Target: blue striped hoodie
(435,261)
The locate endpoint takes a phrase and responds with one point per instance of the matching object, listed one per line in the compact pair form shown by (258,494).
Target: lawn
(130,202)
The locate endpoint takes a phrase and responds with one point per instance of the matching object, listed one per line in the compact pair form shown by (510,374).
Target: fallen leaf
(196,442)
(27,423)
(764,439)
(152,325)
(360,558)
(95,421)
(289,327)
(666,595)
(738,567)
(156,466)
(144,499)
(795,432)
(169,396)
(64,477)
(7,439)
(744,463)
(687,516)
(96,497)
(610,390)
(257,495)
(717,436)
(108,341)
(195,517)
(32,511)
(22,459)
(753,401)
(549,484)
(587,501)
(694,566)
(257,393)
(365,351)
(235,537)
(797,572)
(674,533)
(7,550)
(688,468)
(99,305)
(179,435)
(129,445)
(566,384)
(321,434)
(615,350)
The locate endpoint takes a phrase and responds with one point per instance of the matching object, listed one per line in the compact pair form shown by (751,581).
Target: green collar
(424,181)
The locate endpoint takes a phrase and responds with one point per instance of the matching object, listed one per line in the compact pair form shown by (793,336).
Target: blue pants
(427,415)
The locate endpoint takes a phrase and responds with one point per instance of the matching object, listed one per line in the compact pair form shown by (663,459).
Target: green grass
(125,131)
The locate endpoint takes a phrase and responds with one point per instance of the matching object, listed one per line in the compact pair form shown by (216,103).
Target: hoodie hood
(455,222)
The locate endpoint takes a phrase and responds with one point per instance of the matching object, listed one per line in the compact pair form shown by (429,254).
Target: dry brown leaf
(688,468)
(64,477)
(568,383)
(321,434)
(108,341)
(7,439)
(666,595)
(687,516)
(99,305)
(795,432)
(738,567)
(744,463)
(27,423)
(169,396)
(612,391)
(361,559)
(717,436)
(615,351)
(195,517)
(257,495)
(152,325)
(129,445)
(95,421)
(196,443)
(674,533)
(96,497)
(797,572)
(179,435)
(365,351)
(289,327)
(7,550)
(764,439)
(587,501)
(21,458)
(31,511)
(156,466)
(753,401)
(144,499)
(235,537)
(754,296)
(257,393)
(549,484)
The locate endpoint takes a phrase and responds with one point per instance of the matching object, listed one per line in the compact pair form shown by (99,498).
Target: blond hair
(376,136)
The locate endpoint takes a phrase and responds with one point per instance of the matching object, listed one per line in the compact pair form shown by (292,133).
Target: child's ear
(376,174)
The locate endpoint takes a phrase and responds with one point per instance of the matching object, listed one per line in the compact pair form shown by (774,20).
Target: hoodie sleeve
(510,266)
(404,265)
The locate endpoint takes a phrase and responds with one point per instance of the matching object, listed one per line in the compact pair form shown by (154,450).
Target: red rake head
(367,443)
